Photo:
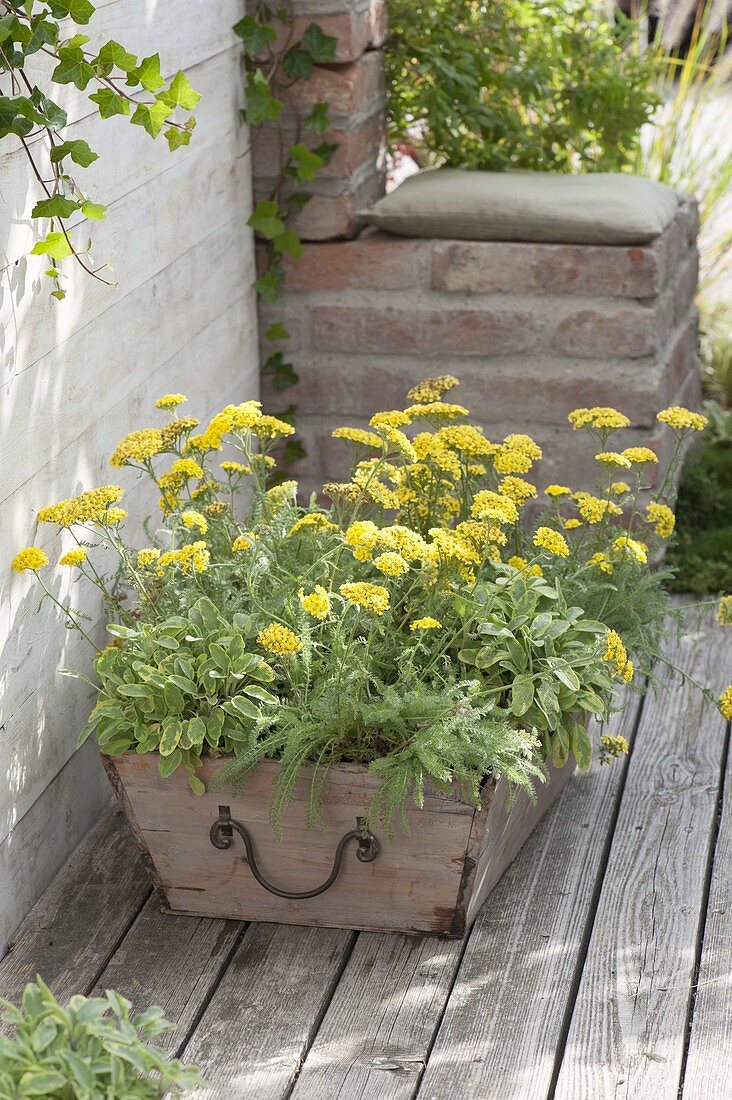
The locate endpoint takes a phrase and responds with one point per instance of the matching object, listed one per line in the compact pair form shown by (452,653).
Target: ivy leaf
(297,64)
(55,245)
(151,116)
(148,73)
(72,68)
(290,243)
(78,150)
(180,93)
(176,137)
(283,373)
(54,115)
(318,119)
(293,451)
(112,53)
(7,25)
(110,103)
(264,220)
(268,285)
(80,11)
(95,211)
(58,294)
(255,36)
(296,202)
(261,105)
(320,46)
(276,331)
(307,162)
(55,207)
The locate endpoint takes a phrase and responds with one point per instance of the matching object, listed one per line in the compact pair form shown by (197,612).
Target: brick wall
(531,330)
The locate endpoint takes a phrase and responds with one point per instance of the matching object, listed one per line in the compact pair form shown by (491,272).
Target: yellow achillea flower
(73,557)
(243,542)
(312,523)
(371,597)
(394,418)
(640,455)
(148,556)
(678,417)
(602,562)
(508,460)
(552,541)
(599,417)
(558,491)
(467,439)
(170,401)
(619,487)
(183,470)
(725,703)
(195,519)
(279,640)
(477,533)
(724,611)
(173,430)
(280,494)
(593,509)
(194,557)
(398,441)
(267,427)
(517,562)
(234,468)
(428,446)
(517,489)
(431,389)
(138,446)
(663,518)
(488,505)
(89,507)
(231,419)
(360,436)
(113,516)
(450,545)
(628,546)
(427,623)
(616,654)
(612,746)
(391,563)
(436,410)
(614,458)
(571,524)
(317,603)
(30,558)
(524,443)
(407,542)
(363,537)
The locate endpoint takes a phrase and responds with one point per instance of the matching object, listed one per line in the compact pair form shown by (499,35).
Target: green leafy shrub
(701,556)
(90,1048)
(515,84)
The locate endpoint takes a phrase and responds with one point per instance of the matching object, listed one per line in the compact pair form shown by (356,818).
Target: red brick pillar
(353,86)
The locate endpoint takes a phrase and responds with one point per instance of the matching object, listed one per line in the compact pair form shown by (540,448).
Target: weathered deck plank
(506,1013)
(255,1033)
(75,926)
(626,1038)
(709,1063)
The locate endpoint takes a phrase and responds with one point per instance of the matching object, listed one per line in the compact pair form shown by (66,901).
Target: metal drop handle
(222,832)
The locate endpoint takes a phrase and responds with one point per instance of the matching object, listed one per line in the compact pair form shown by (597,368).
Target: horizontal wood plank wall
(78,374)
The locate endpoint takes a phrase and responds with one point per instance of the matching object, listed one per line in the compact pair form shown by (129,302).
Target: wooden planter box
(434,880)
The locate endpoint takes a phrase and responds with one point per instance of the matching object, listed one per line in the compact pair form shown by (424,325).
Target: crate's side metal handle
(222,833)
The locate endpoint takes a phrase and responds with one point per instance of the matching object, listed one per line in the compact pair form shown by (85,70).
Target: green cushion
(598,208)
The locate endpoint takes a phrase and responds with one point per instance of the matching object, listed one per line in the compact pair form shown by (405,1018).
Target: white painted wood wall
(78,374)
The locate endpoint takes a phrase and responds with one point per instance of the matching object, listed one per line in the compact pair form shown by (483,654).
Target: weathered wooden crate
(433,880)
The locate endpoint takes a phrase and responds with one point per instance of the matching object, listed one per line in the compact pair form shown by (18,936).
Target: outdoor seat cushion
(457,203)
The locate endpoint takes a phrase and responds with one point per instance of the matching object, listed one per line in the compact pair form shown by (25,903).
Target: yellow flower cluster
(195,519)
(88,507)
(601,418)
(138,447)
(170,401)
(627,547)
(313,523)
(360,436)
(282,493)
(616,654)
(551,541)
(661,516)
(279,640)
(426,623)
(242,543)
(466,439)
(371,597)
(431,389)
(73,557)
(724,611)
(391,563)
(270,427)
(558,491)
(517,562)
(317,603)
(682,419)
(593,509)
(195,556)
(232,419)
(619,487)
(147,557)
(725,703)
(182,471)
(435,410)
(518,490)
(614,458)
(601,561)
(488,505)
(31,558)
(235,468)
(612,745)
(640,455)
(112,517)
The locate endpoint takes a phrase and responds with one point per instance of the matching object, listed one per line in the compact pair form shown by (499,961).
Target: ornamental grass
(434,618)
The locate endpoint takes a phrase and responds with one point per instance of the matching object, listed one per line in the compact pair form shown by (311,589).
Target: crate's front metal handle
(222,833)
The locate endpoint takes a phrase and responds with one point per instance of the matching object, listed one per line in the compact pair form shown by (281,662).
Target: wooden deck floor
(601,966)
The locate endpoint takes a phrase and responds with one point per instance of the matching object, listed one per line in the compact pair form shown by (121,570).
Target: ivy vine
(274,63)
(123,85)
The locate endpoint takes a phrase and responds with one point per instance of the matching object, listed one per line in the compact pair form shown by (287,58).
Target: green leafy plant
(91,1047)
(516,84)
(179,687)
(121,84)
